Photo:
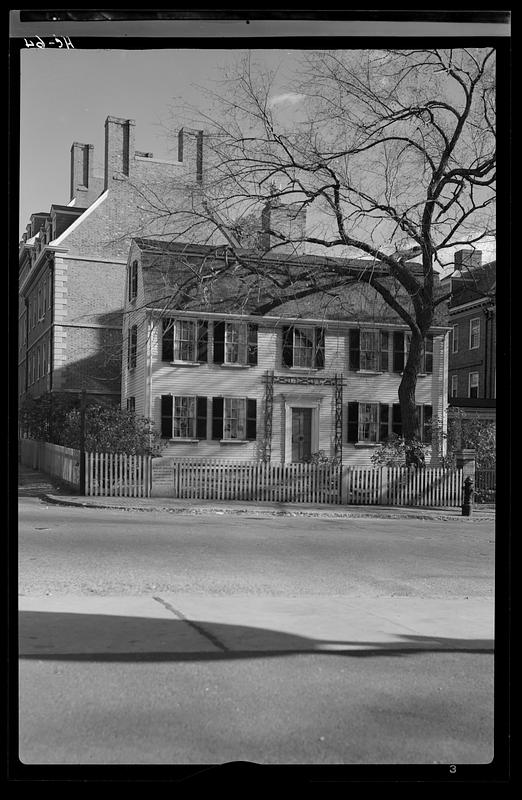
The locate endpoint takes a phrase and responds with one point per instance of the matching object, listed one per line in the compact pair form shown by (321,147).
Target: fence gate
(117,475)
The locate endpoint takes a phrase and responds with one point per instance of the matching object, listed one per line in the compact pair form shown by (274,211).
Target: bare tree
(392,154)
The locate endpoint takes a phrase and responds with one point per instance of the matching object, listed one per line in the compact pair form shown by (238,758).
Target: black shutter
(384,420)
(202,340)
(252,345)
(251,419)
(217,417)
(355,349)
(427,433)
(201,417)
(398,351)
(319,350)
(166,416)
(219,344)
(129,281)
(288,346)
(353,422)
(397,419)
(384,365)
(167,340)
(428,354)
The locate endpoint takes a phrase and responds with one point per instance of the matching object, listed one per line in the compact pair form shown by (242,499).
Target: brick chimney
(190,152)
(81,169)
(119,148)
(287,219)
(466,260)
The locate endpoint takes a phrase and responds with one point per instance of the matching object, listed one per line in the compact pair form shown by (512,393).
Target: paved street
(152,638)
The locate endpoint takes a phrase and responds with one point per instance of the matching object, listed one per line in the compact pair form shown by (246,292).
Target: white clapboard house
(220,381)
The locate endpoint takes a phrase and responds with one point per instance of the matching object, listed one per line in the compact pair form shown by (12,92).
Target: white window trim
(193,341)
(242,345)
(471,346)
(295,349)
(243,411)
(367,442)
(470,387)
(194,418)
(301,401)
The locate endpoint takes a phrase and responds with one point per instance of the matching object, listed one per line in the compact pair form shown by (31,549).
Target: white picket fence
(276,483)
(117,475)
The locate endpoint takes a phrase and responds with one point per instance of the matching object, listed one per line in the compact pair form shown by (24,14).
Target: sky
(66,95)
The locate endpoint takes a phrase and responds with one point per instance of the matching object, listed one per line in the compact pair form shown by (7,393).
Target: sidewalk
(32,483)
(105,626)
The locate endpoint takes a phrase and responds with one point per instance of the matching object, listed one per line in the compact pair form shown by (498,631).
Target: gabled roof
(193,278)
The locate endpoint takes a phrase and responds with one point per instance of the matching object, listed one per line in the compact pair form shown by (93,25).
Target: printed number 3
(453,768)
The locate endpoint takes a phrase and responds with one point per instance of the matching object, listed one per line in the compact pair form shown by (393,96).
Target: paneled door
(301,434)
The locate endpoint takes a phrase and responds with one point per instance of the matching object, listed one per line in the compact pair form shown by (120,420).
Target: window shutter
(202,354)
(355,350)
(288,346)
(385,338)
(201,417)
(427,433)
(397,420)
(384,421)
(398,351)
(428,354)
(251,419)
(319,350)
(167,340)
(219,344)
(252,345)
(353,422)
(217,417)
(166,416)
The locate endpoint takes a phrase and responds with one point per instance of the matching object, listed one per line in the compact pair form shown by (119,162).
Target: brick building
(472,318)
(72,260)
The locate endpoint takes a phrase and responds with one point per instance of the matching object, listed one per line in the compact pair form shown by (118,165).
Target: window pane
(184,417)
(235,418)
(303,347)
(369,350)
(368,422)
(185,342)
(235,343)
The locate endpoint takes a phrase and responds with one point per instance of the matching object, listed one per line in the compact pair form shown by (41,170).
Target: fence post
(465,460)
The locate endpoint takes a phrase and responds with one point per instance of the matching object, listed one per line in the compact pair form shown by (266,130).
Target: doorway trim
(303,400)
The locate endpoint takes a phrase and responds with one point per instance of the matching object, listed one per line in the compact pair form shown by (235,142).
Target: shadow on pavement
(100,637)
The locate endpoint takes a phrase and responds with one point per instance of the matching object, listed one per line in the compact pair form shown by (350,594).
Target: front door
(301,434)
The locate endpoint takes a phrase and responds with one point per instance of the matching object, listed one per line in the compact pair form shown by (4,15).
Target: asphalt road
(69,550)
(432,705)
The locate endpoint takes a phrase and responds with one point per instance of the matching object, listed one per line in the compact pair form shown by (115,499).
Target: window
(37,363)
(303,347)
(368,422)
(133,280)
(49,290)
(235,343)
(473,384)
(183,417)
(369,352)
(474,333)
(131,404)
(454,386)
(455,339)
(132,347)
(184,340)
(44,359)
(234,418)
(401,349)
(44,295)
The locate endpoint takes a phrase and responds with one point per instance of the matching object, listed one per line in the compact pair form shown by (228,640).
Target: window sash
(368,422)
(132,347)
(474,333)
(234,418)
(185,340)
(304,347)
(235,343)
(369,350)
(454,386)
(473,384)
(455,339)
(184,417)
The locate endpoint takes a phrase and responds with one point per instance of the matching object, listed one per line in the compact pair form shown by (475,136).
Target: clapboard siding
(153,378)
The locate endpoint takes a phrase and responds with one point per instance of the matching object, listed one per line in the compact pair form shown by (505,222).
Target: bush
(392,452)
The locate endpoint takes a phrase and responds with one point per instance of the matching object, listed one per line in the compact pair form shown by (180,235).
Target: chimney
(119,148)
(81,169)
(190,152)
(466,260)
(287,219)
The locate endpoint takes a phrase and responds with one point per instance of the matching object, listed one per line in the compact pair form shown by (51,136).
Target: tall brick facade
(76,254)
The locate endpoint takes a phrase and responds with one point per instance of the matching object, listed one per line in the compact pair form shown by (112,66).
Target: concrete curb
(353,513)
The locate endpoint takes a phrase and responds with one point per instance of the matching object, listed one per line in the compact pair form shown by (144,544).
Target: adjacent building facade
(472,353)
(72,262)
(229,383)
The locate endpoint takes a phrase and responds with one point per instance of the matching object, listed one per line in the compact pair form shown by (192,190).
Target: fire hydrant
(467,505)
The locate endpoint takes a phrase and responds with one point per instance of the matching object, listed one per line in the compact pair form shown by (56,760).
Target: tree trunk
(410,422)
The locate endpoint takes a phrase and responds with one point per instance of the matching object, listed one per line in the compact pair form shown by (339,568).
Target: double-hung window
(303,347)
(235,343)
(184,340)
(132,346)
(473,384)
(234,418)
(474,333)
(183,417)
(133,280)
(369,350)
(455,339)
(368,422)
(454,386)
